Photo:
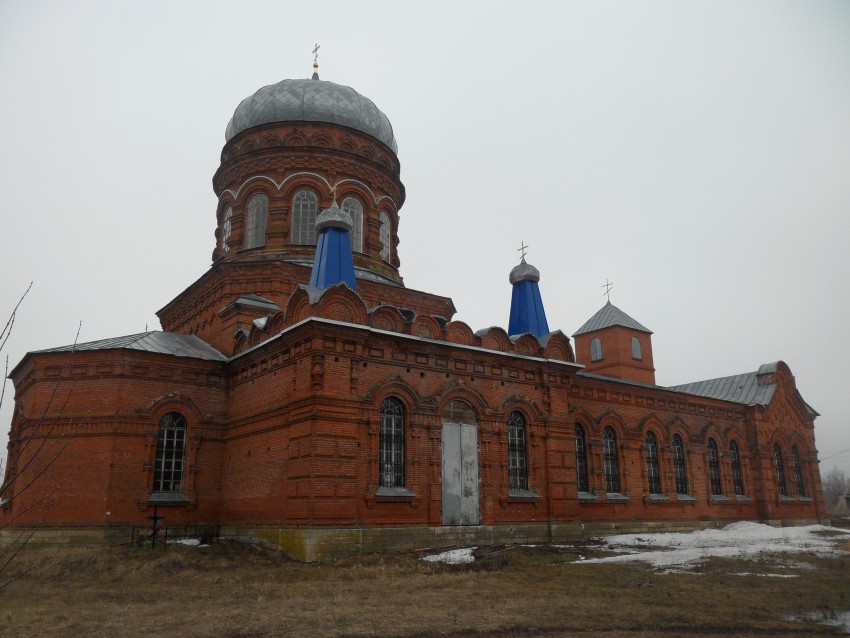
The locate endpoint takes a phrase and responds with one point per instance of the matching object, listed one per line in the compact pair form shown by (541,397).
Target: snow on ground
(453,556)
(744,540)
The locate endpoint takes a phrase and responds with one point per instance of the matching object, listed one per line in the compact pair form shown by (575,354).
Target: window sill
(685,498)
(742,498)
(394,492)
(719,498)
(659,498)
(586,497)
(616,497)
(167,498)
(786,499)
(805,499)
(523,495)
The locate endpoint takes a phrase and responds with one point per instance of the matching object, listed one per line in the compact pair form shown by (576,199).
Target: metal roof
(739,388)
(607,316)
(311,101)
(178,345)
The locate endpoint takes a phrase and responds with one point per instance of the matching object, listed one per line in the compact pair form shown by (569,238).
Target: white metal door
(460,474)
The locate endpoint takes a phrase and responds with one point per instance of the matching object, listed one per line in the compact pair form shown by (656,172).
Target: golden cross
(316,53)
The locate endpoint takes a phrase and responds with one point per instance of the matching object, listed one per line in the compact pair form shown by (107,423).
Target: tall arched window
(582,484)
(226,229)
(679,469)
(653,476)
(798,472)
(305,207)
(595,349)
(714,468)
(779,462)
(392,444)
(517,452)
(170,453)
(353,207)
(385,237)
(612,464)
(258,214)
(636,352)
(737,476)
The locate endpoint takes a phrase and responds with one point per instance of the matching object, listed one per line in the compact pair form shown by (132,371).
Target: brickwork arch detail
(459,332)
(558,347)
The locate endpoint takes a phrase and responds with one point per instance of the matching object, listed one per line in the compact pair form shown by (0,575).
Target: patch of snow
(742,540)
(764,575)
(191,542)
(453,556)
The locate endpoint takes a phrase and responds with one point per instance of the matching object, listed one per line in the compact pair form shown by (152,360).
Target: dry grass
(230,591)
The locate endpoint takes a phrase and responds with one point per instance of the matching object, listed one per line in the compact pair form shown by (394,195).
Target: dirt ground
(232,590)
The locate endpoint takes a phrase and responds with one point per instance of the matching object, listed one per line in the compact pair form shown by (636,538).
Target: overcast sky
(697,154)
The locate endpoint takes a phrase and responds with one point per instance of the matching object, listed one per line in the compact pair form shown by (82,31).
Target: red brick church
(300,394)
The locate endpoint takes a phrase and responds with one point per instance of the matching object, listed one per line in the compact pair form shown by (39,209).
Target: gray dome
(524,272)
(311,101)
(334,217)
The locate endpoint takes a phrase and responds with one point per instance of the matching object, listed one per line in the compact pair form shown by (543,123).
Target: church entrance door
(460,473)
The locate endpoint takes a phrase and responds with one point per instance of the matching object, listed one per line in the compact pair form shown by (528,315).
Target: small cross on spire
(607,286)
(316,61)
(522,247)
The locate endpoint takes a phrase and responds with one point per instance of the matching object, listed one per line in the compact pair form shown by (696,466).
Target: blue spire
(527,314)
(333,262)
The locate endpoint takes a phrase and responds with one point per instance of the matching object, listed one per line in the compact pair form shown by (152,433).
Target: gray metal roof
(607,316)
(178,345)
(311,101)
(253,300)
(739,388)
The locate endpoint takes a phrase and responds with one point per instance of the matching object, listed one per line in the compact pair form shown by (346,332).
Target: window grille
(781,483)
(392,443)
(581,461)
(798,472)
(653,476)
(226,230)
(258,213)
(612,465)
(385,237)
(305,207)
(679,469)
(596,350)
(636,352)
(170,453)
(353,207)
(517,452)
(714,468)
(737,476)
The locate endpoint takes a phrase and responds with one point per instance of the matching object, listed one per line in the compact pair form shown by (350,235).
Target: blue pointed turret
(527,314)
(333,262)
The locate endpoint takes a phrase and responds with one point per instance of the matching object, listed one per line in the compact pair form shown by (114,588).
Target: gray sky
(696,154)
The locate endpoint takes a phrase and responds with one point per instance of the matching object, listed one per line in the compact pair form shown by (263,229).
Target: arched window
(612,464)
(636,352)
(798,472)
(392,443)
(385,237)
(781,483)
(737,476)
(517,452)
(714,468)
(653,476)
(353,207)
(226,229)
(170,453)
(582,484)
(595,349)
(305,207)
(258,214)
(679,469)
